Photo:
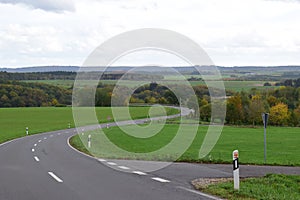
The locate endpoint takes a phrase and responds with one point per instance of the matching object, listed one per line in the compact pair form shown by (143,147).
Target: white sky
(232,32)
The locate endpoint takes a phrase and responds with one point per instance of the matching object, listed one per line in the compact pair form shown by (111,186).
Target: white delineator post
(89,141)
(236,172)
(69,125)
(27,131)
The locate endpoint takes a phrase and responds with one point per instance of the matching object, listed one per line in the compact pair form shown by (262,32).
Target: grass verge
(271,186)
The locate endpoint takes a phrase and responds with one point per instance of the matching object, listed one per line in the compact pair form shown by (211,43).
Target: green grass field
(272,186)
(60,83)
(282,145)
(13,121)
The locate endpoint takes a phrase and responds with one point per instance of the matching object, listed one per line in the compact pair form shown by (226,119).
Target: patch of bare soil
(202,183)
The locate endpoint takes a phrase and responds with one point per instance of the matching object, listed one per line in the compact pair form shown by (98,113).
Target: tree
(255,109)
(234,114)
(246,104)
(54,102)
(150,100)
(295,117)
(279,114)
(267,84)
(205,112)
(272,101)
(4,101)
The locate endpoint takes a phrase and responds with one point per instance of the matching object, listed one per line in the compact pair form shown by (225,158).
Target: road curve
(43,166)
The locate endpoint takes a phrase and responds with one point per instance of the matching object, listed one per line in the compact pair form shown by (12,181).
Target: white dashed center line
(123,167)
(32,150)
(111,163)
(45,138)
(160,180)
(36,159)
(35,145)
(40,140)
(139,173)
(55,177)
(101,160)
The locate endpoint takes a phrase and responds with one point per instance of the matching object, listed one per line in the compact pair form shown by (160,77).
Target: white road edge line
(32,150)
(55,177)
(200,193)
(124,167)
(36,159)
(45,138)
(139,173)
(160,180)
(101,160)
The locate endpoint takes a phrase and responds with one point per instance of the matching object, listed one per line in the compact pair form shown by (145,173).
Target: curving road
(44,166)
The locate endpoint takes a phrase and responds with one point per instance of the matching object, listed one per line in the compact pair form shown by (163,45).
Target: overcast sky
(232,32)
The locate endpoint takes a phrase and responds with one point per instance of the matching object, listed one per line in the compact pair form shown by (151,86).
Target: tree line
(93,75)
(21,94)
(243,108)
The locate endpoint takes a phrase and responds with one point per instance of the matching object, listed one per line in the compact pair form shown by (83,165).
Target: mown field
(282,145)
(13,121)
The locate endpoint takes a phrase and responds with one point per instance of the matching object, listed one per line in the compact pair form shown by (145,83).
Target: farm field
(282,145)
(236,86)
(13,121)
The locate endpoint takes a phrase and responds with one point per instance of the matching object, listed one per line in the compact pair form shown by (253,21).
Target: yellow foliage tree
(279,114)
(54,102)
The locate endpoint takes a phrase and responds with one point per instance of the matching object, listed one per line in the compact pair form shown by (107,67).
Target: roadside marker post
(69,125)
(27,132)
(89,141)
(265,117)
(236,170)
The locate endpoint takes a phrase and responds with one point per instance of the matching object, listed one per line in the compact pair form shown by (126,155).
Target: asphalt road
(44,166)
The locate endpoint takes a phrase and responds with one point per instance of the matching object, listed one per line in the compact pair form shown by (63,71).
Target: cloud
(286,1)
(254,32)
(47,5)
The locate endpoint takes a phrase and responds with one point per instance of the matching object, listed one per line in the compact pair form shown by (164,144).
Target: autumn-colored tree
(272,101)
(203,102)
(279,114)
(234,112)
(256,107)
(295,117)
(54,102)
